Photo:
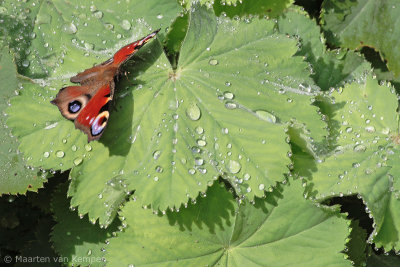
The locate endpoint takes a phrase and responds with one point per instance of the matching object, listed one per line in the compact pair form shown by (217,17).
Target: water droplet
(160,16)
(193,112)
(156,154)
(64,141)
(46,154)
(60,154)
(201,142)
(246,176)
(230,105)
(25,63)
(234,166)
(198,161)
(199,130)
(126,25)
(98,14)
(213,62)
(261,186)
(192,171)
(266,116)
(359,148)
(109,26)
(69,28)
(228,95)
(349,130)
(159,169)
(156,178)
(88,147)
(370,129)
(227,83)
(248,189)
(225,130)
(73,148)
(78,161)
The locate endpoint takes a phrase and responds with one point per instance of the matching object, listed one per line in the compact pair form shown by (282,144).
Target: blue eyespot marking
(74,106)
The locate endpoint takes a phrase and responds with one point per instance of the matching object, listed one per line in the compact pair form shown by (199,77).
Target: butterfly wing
(88,105)
(72,99)
(93,118)
(108,69)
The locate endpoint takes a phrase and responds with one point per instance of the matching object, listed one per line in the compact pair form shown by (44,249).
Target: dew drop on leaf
(69,28)
(159,169)
(370,129)
(73,148)
(359,148)
(77,161)
(198,161)
(126,25)
(192,171)
(88,147)
(261,187)
(201,142)
(98,14)
(199,130)
(228,95)
(230,105)
(213,62)
(234,166)
(156,154)
(60,154)
(266,116)
(193,112)
(46,154)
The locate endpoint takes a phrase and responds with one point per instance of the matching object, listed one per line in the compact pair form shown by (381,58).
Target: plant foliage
(239,136)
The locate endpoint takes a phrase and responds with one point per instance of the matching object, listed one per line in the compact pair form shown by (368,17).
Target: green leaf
(74,238)
(383,261)
(218,231)
(223,111)
(356,247)
(348,24)
(67,31)
(269,8)
(15,178)
(331,68)
(365,159)
(47,139)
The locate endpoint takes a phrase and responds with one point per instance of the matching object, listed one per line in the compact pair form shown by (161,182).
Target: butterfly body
(88,105)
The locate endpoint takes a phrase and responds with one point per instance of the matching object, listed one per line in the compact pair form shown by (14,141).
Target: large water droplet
(359,148)
(266,116)
(78,161)
(193,112)
(159,169)
(228,95)
(156,154)
(126,25)
(199,161)
(199,130)
(213,62)
(60,154)
(98,14)
(69,28)
(230,105)
(234,166)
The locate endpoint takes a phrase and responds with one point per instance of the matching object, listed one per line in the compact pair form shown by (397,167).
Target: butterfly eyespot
(74,106)
(99,123)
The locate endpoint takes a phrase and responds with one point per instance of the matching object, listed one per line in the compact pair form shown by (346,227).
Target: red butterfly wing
(93,119)
(127,51)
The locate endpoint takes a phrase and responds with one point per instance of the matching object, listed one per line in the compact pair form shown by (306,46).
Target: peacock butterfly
(88,104)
